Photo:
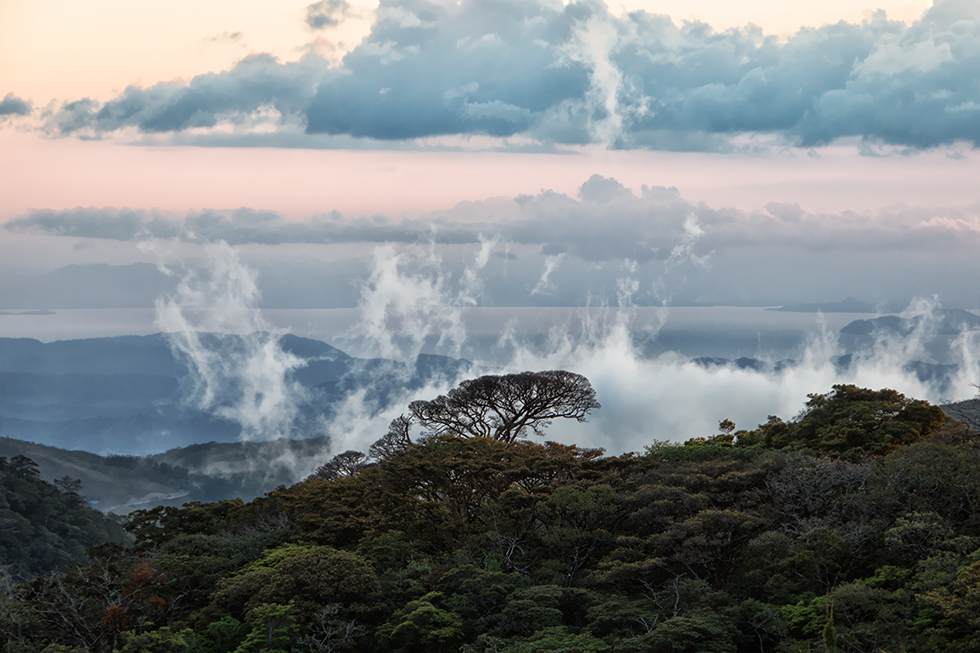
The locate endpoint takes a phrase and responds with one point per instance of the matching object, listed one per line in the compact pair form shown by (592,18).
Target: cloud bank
(566,75)
(553,249)
(605,222)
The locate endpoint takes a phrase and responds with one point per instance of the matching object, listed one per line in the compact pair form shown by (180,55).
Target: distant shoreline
(849,305)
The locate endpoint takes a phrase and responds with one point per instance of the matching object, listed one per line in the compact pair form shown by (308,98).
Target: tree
(341,465)
(396,439)
(68,485)
(852,422)
(423,625)
(507,407)
(966,412)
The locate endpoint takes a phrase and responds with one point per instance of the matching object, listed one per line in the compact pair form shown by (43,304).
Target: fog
(410,304)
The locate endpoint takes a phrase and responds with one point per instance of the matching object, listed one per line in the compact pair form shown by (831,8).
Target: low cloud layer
(554,74)
(605,222)
(557,250)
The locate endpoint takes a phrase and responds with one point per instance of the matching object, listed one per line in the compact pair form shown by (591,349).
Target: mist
(671,397)
(411,303)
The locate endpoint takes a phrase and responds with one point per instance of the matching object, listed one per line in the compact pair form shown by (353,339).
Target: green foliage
(553,639)
(852,422)
(300,576)
(422,626)
(849,528)
(224,635)
(273,630)
(695,632)
(162,640)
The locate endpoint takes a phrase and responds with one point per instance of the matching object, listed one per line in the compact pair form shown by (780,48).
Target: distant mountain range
(861,332)
(127,394)
(938,375)
(946,322)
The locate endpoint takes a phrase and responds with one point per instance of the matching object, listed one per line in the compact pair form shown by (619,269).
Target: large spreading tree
(507,407)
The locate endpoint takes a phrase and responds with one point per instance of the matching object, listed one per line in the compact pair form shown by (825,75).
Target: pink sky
(42,173)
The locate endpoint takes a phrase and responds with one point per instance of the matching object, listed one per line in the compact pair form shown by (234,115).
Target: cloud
(236,227)
(608,222)
(645,397)
(575,74)
(781,254)
(226,36)
(258,90)
(601,189)
(431,69)
(11,105)
(327,13)
(238,368)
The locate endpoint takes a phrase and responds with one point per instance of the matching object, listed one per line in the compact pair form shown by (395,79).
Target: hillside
(854,527)
(203,472)
(282,458)
(967,412)
(44,526)
(948,322)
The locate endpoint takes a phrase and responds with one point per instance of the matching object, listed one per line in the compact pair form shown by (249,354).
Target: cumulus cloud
(11,105)
(575,74)
(237,227)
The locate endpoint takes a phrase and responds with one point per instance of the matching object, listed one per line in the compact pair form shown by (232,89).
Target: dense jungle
(854,526)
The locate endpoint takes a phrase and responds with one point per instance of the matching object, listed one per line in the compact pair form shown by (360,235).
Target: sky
(756,152)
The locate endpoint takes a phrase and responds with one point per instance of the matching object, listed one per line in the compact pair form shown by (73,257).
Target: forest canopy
(45,526)
(854,526)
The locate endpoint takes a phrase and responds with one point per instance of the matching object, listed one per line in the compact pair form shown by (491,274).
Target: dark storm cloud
(576,74)
(607,222)
(327,13)
(11,105)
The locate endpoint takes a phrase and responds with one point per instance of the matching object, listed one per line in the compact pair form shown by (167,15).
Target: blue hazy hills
(129,394)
